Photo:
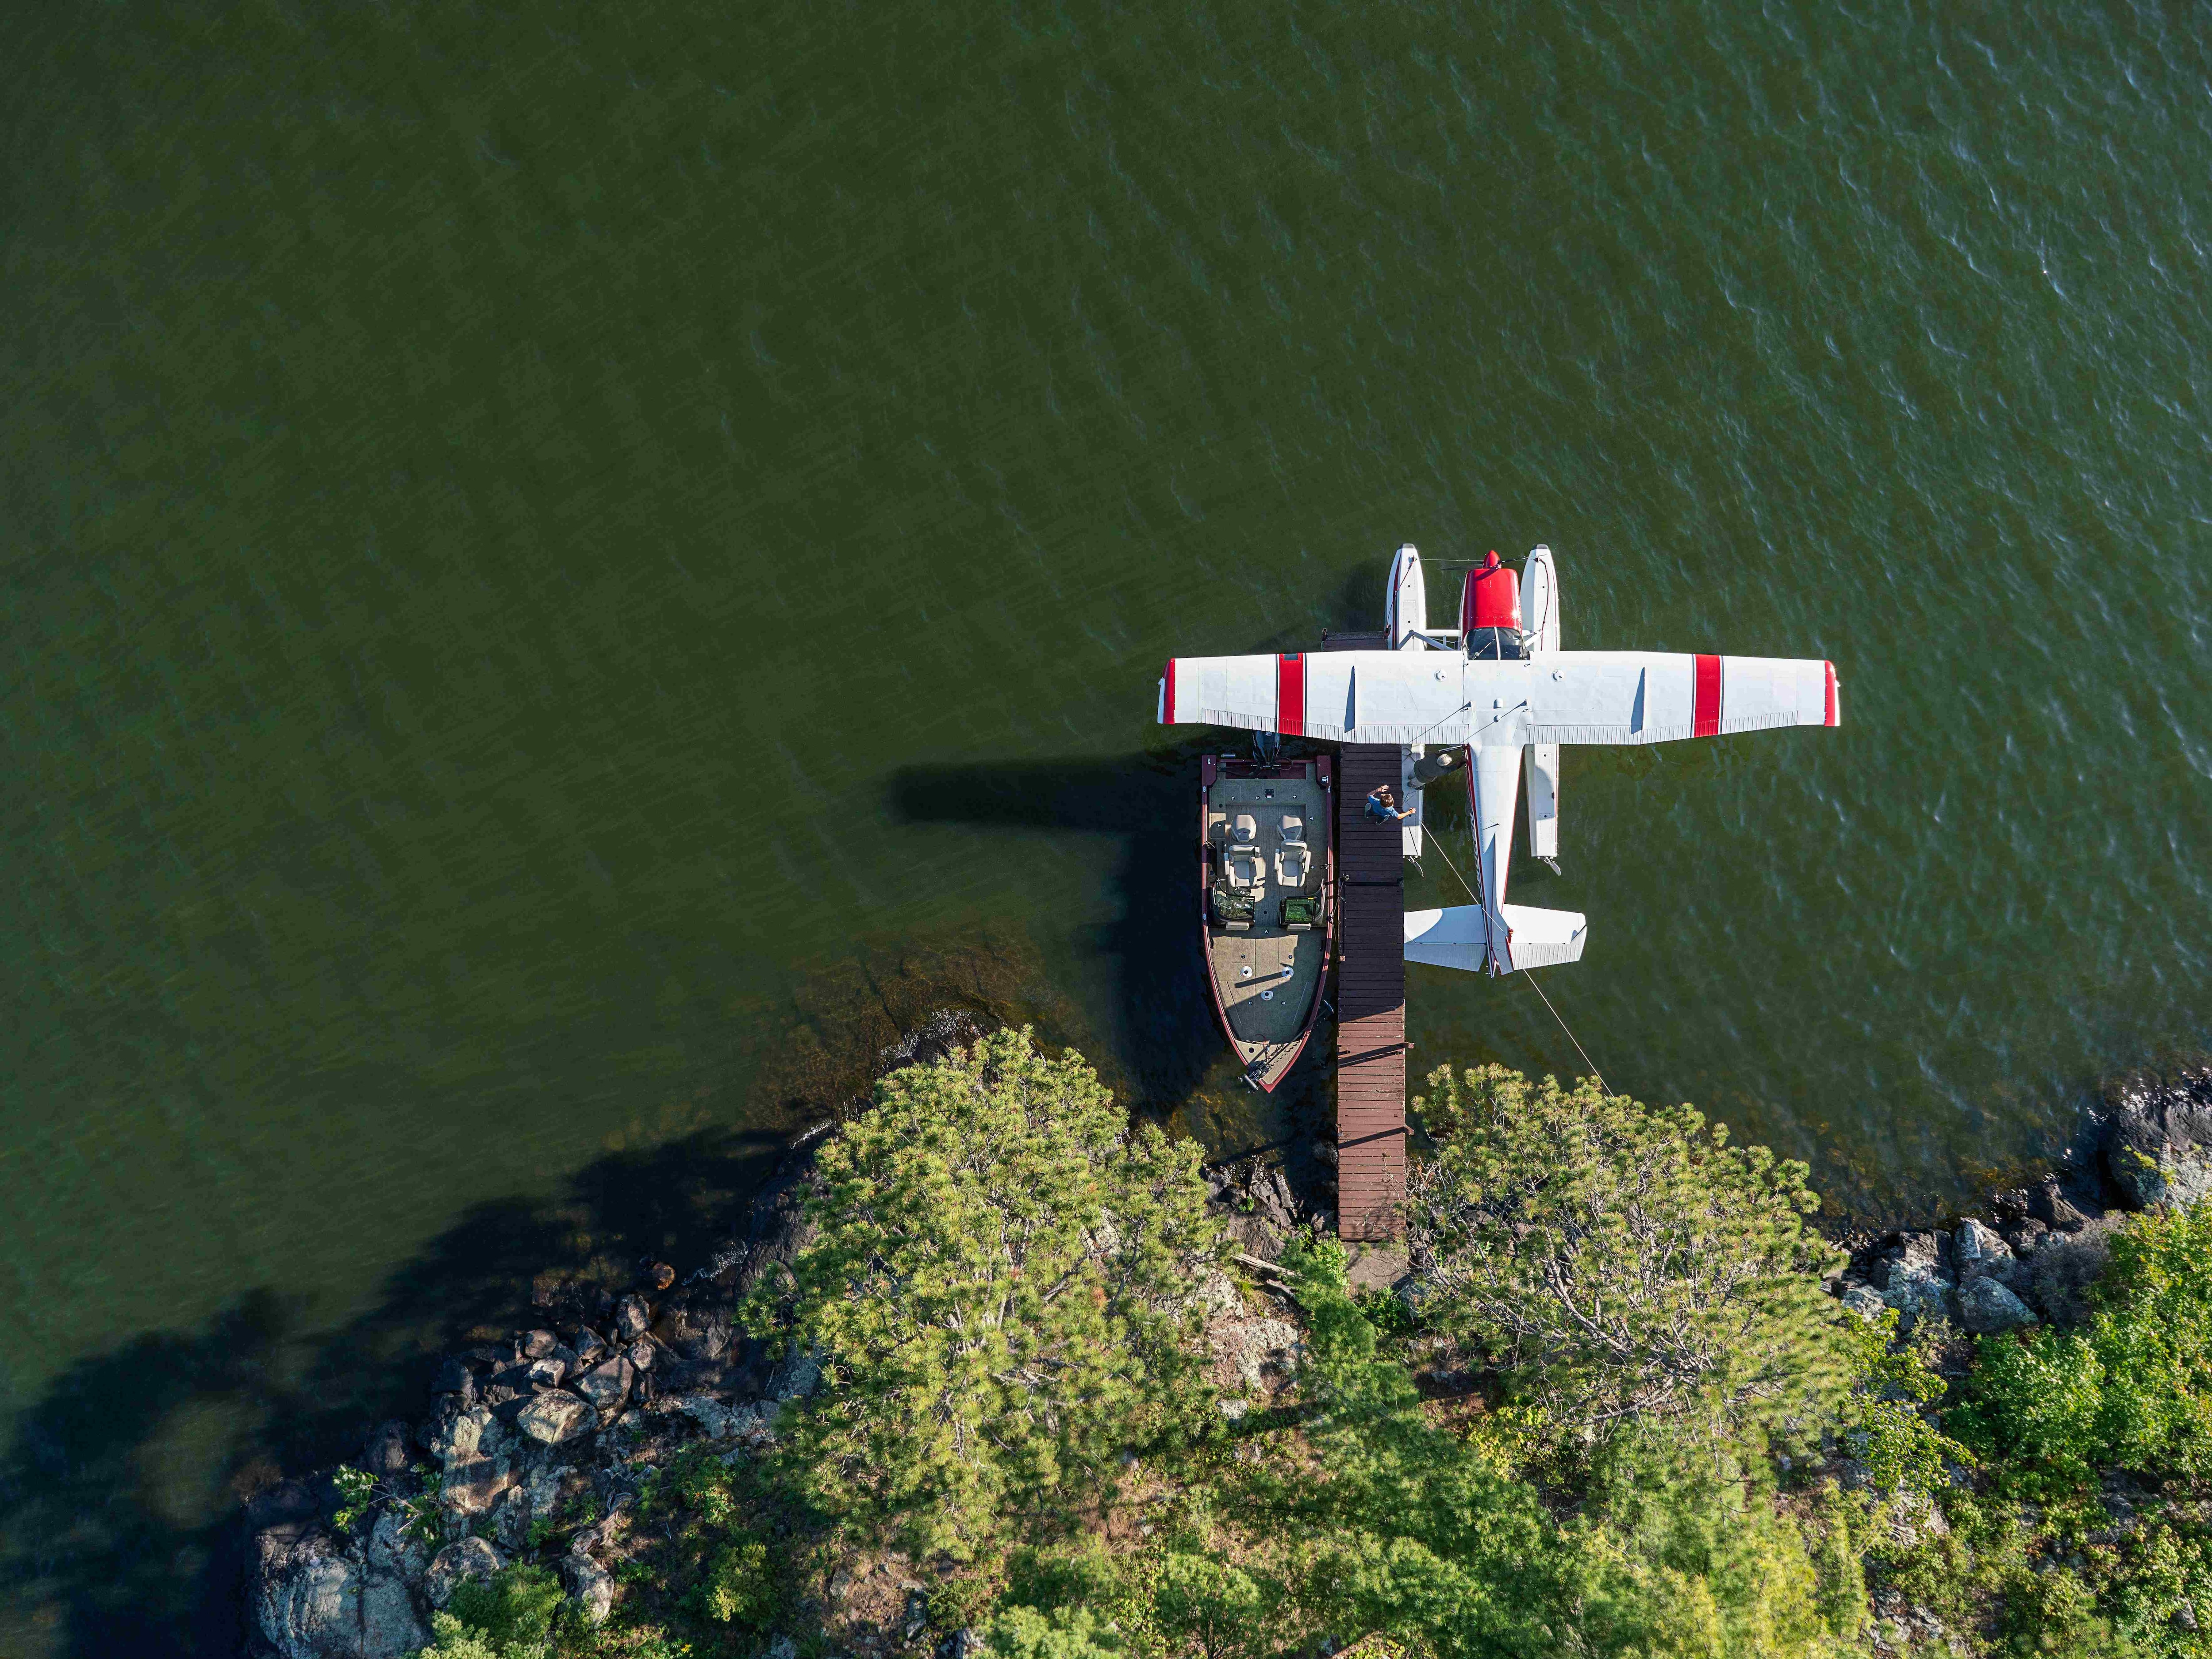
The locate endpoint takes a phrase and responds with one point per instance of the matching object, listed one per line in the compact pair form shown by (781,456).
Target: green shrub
(1063,1633)
(451,1639)
(738,1586)
(513,1607)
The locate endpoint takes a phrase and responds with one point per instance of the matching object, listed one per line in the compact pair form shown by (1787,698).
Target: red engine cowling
(1490,611)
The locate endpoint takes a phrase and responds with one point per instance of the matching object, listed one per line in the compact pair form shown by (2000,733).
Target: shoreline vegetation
(988,1369)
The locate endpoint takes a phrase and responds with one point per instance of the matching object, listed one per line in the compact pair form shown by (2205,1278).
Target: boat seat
(1245,829)
(1293,862)
(1294,829)
(1244,867)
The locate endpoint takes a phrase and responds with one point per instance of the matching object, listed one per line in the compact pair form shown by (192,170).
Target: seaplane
(1499,697)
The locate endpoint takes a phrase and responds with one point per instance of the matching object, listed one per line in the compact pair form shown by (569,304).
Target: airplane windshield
(1497,645)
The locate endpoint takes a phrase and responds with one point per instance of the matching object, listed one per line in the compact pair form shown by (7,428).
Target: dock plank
(1370,994)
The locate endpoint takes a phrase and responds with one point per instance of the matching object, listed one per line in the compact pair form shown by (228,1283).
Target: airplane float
(1500,687)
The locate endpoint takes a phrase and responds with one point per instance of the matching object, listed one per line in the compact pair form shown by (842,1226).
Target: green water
(569,567)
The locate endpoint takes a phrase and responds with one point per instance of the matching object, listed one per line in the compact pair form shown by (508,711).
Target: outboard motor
(1489,613)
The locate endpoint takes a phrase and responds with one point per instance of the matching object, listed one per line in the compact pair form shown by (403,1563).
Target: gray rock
(2024,1235)
(386,1453)
(1978,1249)
(312,1602)
(454,1377)
(590,1346)
(917,1616)
(1918,1293)
(591,1585)
(606,1385)
(393,1572)
(2158,1140)
(464,1435)
(632,1317)
(782,1647)
(536,1345)
(473,1484)
(545,1374)
(752,1423)
(468,1557)
(1864,1300)
(799,1375)
(1985,1306)
(510,1519)
(555,1416)
(640,1355)
(307,1598)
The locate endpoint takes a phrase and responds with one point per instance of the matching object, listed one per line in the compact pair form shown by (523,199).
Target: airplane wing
(1651,696)
(1344,696)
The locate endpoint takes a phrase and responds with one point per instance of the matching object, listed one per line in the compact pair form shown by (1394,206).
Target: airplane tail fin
(1459,938)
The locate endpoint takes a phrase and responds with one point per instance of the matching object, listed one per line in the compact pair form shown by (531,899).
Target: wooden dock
(1370,990)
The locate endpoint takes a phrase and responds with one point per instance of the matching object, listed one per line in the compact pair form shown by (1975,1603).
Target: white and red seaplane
(1499,686)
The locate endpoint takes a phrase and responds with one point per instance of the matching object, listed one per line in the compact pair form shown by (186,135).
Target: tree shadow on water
(120,1527)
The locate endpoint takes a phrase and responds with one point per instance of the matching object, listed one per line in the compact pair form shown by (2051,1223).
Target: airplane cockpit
(1499,644)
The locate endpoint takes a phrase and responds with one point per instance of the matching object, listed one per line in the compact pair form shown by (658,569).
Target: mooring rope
(1526,974)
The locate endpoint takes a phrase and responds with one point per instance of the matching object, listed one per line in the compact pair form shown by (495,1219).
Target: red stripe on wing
(1706,718)
(1291,695)
(1835,714)
(1167,699)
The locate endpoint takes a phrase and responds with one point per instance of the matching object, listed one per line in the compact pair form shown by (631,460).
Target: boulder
(394,1569)
(2158,1140)
(640,1355)
(555,1416)
(307,1597)
(462,1436)
(1986,1306)
(545,1374)
(2050,1204)
(467,1557)
(1864,1300)
(633,1317)
(2024,1235)
(591,1347)
(310,1601)
(473,1484)
(799,1375)
(1917,1293)
(590,1585)
(385,1452)
(1978,1250)
(752,1423)
(606,1385)
(536,1345)
(455,1377)
(693,1333)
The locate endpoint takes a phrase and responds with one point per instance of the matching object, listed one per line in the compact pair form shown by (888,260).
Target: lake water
(569,568)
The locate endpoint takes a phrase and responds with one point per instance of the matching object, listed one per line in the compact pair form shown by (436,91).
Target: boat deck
(1370,991)
(1266,975)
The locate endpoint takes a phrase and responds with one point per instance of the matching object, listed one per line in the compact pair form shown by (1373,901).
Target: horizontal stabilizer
(1457,938)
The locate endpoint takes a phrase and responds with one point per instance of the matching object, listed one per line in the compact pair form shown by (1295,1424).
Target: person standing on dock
(1383,806)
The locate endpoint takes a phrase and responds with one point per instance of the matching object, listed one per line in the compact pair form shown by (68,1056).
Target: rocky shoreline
(2032,1255)
(538,1448)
